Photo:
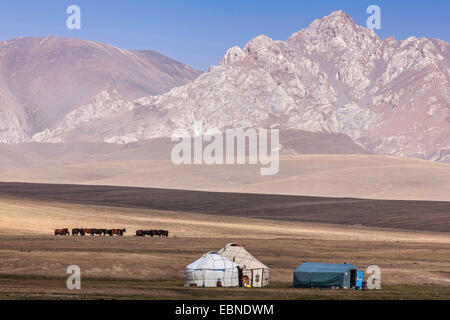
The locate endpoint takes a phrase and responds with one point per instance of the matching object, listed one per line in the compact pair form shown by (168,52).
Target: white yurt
(254,272)
(212,270)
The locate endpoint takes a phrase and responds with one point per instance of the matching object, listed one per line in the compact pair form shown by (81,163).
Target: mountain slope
(388,96)
(43,79)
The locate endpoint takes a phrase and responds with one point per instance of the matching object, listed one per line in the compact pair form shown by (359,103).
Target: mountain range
(44,79)
(334,77)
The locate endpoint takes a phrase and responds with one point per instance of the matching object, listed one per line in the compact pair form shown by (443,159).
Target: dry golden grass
(33,261)
(34,217)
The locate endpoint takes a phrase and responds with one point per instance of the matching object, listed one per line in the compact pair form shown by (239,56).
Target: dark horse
(62,232)
(78,231)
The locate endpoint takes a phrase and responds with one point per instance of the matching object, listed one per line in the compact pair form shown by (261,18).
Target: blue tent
(322,275)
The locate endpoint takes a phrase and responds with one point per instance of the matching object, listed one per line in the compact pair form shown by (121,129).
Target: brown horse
(119,232)
(140,233)
(152,233)
(100,232)
(62,232)
(78,231)
(163,233)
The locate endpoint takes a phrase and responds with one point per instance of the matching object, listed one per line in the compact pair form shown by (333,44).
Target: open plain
(415,262)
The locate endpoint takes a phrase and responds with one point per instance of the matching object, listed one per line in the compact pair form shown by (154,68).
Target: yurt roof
(242,257)
(212,261)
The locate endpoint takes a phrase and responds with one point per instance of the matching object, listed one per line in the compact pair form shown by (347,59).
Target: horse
(100,232)
(140,233)
(62,232)
(119,232)
(78,231)
(164,233)
(150,233)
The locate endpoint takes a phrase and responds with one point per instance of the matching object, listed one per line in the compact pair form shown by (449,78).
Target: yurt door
(257,278)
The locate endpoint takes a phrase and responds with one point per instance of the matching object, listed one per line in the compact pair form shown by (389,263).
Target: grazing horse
(161,233)
(62,232)
(164,233)
(150,233)
(140,233)
(119,232)
(100,232)
(78,231)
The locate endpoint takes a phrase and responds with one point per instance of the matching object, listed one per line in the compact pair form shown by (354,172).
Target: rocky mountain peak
(235,54)
(335,19)
(337,32)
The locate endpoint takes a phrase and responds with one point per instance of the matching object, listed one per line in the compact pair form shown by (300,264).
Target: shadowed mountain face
(43,79)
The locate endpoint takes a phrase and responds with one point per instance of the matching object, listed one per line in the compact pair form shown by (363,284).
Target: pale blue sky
(198,32)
